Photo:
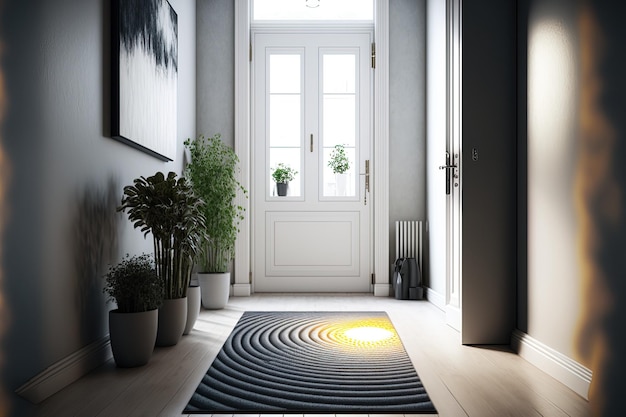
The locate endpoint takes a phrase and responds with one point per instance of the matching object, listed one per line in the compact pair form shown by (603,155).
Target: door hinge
(373,279)
(373,54)
(250,52)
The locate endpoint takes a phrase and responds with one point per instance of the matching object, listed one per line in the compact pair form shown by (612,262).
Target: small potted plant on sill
(138,292)
(282,175)
(167,208)
(340,164)
(212,172)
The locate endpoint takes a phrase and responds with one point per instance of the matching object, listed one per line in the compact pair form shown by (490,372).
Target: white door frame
(453,201)
(380,158)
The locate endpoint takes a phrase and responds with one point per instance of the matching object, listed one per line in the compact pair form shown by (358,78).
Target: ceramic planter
(172,321)
(281,189)
(132,337)
(342,181)
(215,289)
(193,307)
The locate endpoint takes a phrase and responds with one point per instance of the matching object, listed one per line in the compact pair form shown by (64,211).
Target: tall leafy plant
(212,172)
(167,208)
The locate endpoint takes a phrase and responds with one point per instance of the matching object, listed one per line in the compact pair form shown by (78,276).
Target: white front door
(311,93)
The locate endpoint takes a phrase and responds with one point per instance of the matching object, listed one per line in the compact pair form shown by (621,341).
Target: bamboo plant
(213,175)
(167,208)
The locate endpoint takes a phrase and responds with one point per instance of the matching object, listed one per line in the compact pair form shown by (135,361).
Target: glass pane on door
(339,124)
(284,119)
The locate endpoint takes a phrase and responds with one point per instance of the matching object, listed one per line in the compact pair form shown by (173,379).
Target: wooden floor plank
(462,381)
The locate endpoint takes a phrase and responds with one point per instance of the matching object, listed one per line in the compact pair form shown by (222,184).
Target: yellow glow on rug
(369,334)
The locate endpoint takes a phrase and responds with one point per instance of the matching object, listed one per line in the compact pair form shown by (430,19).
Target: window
(272,10)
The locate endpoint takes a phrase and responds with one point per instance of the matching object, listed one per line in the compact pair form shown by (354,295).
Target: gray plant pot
(193,307)
(132,337)
(172,321)
(215,289)
(281,188)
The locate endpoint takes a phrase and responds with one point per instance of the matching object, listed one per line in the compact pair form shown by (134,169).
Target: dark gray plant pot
(132,337)
(281,189)
(172,321)
(193,307)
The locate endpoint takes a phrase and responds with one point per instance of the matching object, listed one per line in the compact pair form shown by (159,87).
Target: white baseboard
(241,290)
(453,317)
(564,369)
(435,298)
(382,290)
(67,370)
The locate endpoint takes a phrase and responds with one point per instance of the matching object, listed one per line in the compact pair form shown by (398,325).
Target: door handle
(451,171)
(367,175)
(447,166)
(367,181)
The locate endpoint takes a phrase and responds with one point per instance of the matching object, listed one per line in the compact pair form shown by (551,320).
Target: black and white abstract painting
(144,75)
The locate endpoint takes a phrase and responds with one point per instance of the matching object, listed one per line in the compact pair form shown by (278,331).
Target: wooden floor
(461,380)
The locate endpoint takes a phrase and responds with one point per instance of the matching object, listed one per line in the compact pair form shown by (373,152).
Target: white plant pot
(132,337)
(193,307)
(342,181)
(215,289)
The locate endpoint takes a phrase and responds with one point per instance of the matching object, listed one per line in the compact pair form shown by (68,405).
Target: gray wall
(551,76)
(571,288)
(407,113)
(216,68)
(66,178)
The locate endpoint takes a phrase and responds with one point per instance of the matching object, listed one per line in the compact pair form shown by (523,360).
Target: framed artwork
(145,75)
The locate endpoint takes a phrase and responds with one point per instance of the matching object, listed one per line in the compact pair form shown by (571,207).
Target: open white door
(453,167)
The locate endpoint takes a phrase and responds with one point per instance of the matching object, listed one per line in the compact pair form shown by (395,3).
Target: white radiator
(409,240)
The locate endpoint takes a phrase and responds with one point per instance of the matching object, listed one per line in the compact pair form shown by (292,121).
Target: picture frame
(144,76)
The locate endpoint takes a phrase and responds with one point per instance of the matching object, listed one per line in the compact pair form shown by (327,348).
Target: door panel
(489,172)
(298,241)
(311,93)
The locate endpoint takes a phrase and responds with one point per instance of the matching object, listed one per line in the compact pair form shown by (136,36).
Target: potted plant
(212,173)
(340,164)
(167,208)
(138,292)
(282,174)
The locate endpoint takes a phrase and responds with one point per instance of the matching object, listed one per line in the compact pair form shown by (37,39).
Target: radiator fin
(409,240)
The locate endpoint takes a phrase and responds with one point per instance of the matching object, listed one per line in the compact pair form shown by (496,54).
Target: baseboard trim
(438,300)
(241,290)
(564,369)
(67,370)
(382,290)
